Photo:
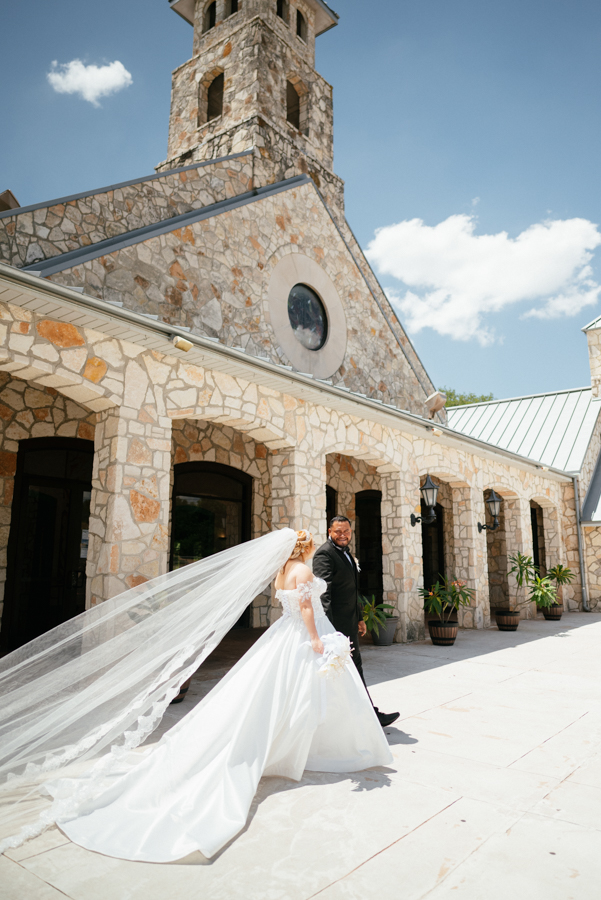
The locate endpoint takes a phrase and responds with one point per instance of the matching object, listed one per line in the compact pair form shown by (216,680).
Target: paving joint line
(384,849)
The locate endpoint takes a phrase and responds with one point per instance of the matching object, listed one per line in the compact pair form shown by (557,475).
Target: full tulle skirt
(273,714)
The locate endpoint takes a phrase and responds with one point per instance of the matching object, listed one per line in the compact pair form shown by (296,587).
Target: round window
(307,317)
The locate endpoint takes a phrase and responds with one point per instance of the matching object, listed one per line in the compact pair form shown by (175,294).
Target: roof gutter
(20,279)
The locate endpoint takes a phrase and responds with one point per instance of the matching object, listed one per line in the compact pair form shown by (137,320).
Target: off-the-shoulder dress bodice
(291,600)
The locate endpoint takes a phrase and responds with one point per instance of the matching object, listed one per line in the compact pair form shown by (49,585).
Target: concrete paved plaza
(495,792)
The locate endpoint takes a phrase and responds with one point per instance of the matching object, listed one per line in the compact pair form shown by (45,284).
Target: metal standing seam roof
(554,429)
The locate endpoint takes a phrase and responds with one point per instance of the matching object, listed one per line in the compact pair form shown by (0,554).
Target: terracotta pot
(443,634)
(386,633)
(553,613)
(507,620)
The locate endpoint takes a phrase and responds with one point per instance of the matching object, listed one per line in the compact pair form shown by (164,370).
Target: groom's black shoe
(387,718)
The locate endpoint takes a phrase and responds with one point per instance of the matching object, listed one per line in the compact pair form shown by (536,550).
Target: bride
(294,702)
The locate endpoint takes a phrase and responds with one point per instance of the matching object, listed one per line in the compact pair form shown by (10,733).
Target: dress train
(273,714)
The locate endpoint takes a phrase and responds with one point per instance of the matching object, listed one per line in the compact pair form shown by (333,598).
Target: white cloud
(454,278)
(91,82)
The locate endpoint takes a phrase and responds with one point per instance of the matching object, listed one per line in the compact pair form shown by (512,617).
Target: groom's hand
(362,629)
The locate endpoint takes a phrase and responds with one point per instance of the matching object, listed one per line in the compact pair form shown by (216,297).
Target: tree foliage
(456,399)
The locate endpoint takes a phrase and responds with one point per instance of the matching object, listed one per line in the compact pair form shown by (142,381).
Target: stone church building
(193,358)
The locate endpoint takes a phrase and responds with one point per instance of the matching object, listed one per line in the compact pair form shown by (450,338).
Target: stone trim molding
(296,268)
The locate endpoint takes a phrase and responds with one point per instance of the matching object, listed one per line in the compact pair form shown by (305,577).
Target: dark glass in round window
(307,317)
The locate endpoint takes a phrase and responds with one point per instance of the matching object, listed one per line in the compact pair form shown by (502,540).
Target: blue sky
(454,120)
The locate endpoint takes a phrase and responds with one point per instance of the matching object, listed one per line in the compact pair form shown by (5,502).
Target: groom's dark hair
(339,519)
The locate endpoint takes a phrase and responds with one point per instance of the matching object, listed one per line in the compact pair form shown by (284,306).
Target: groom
(334,563)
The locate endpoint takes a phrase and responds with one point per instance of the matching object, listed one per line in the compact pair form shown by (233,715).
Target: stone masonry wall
(212,276)
(592,547)
(28,237)
(593,337)
(30,411)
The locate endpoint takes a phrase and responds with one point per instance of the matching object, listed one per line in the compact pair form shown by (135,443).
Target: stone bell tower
(252,84)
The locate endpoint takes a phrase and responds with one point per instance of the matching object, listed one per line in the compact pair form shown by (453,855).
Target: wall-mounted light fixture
(181,343)
(494,506)
(429,492)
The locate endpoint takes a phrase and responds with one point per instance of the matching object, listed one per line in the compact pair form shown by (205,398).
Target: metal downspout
(585,604)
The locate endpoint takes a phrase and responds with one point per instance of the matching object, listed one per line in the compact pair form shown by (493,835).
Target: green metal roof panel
(554,429)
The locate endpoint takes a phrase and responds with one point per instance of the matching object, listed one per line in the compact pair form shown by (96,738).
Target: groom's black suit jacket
(341,599)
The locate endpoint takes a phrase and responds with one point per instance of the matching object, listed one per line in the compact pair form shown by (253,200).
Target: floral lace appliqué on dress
(291,600)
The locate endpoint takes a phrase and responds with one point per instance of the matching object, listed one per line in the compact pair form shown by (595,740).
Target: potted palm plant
(442,600)
(542,591)
(560,575)
(523,568)
(380,623)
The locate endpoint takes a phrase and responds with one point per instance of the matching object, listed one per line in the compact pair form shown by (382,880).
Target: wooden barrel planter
(507,620)
(443,634)
(385,636)
(553,613)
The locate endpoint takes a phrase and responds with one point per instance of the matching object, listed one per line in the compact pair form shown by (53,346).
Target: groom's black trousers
(356,654)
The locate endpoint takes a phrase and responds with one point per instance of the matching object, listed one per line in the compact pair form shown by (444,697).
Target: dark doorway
(368,541)
(433,547)
(538,538)
(48,541)
(211,511)
(331,504)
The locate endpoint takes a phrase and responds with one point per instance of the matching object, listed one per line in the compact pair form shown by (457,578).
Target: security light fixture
(181,343)
(429,492)
(494,506)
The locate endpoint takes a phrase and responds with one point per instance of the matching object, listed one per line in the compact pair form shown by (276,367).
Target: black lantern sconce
(429,493)
(494,506)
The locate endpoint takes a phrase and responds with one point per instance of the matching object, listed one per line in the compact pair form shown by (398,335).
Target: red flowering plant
(445,597)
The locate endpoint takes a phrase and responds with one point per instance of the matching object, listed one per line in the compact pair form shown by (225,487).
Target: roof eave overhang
(64,303)
(325,18)
(184,8)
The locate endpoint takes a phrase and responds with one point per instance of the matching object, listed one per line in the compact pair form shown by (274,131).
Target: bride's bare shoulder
(302,574)
(293,575)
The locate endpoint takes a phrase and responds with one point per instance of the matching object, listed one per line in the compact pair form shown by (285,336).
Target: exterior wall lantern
(429,493)
(494,506)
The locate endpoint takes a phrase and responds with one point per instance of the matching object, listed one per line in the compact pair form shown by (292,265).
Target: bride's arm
(306,608)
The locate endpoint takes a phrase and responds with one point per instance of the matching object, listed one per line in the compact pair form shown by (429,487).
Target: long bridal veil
(97,685)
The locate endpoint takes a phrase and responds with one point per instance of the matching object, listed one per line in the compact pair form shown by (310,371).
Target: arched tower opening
(215,98)
(210,17)
(301,26)
(283,10)
(292,105)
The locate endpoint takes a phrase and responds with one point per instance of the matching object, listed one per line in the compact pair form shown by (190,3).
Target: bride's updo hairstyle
(304,544)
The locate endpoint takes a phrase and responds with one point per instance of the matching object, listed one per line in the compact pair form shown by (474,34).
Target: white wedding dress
(272,714)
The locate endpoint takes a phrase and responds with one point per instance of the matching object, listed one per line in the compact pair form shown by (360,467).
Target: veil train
(96,686)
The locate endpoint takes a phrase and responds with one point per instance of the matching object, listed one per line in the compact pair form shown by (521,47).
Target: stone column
(573,592)
(129,516)
(298,492)
(518,538)
(402,565)
(298,496)
(471,561)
